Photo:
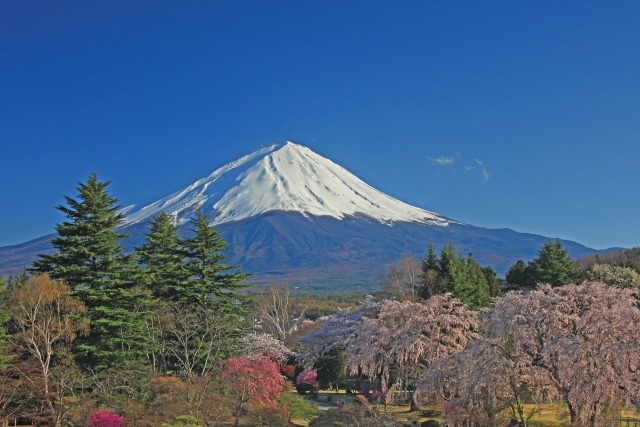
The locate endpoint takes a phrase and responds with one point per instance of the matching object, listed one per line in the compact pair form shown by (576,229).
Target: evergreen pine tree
(493,282)
(518,276)
(88,252)
(480,285)
(163,268)
(460,280)
(330,368)
(210,278)
(446,260)
(430,261)
(13,281)
(468,283)
(433,282)
(553,266)
(90,260)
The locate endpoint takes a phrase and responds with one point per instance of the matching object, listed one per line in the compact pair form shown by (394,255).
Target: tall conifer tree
(447,257)
(469,284)
(553,266)
(211,279)
(492,281)
(433,281)
(461,281)
(89,258)
(464,278)
(88,253)
(517,276)
(430,261)
(481,294)
(163,268)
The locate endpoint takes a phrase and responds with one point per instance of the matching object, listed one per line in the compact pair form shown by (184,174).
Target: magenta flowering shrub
(104,419)
(371,390)
(308,376)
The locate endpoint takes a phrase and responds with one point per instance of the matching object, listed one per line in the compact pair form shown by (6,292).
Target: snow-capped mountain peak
(283,177)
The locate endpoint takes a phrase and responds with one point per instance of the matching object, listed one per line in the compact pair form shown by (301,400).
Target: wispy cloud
(483,170)
(470,167)
(444,160)
(479,165)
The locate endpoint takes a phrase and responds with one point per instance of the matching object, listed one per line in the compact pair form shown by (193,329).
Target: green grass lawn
(547,415)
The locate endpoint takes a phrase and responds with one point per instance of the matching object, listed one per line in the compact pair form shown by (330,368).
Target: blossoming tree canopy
(410,334)
(308,376)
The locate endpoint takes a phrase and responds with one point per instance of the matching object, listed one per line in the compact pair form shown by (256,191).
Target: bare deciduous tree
(47,318)
(278,315)
(195,336)
(404,280)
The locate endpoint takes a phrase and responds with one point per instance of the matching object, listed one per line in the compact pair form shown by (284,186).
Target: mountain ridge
(291,215)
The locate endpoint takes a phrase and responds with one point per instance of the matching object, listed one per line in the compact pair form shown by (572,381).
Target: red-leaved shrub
(288,371)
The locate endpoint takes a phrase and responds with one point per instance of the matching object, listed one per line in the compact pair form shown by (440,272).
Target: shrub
(306,382)
(289,371)
(297,406)
(305,388)
(183,421)
(104,419)
(370,389)
(614,275)
(308,376)
(259,414)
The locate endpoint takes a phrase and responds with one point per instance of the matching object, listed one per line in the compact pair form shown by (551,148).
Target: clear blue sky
(511,114)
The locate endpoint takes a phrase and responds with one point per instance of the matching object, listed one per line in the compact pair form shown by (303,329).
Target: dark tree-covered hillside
(626,258)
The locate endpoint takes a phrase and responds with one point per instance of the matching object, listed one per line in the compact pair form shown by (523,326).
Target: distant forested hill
(627,258)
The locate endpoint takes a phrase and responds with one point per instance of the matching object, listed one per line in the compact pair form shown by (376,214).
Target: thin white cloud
(483,170)
(478,165)
(444,160)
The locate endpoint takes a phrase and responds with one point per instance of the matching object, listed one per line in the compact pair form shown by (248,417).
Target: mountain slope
(293,216)
(288,246)
(286,177)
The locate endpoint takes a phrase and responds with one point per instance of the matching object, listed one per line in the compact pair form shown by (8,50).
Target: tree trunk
(239,407)
(572,413)
(47,395)
(414,405)
(491,416)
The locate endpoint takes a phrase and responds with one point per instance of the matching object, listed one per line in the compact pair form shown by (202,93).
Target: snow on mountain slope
(283,177)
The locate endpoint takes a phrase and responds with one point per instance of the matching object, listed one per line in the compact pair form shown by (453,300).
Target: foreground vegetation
(167,336)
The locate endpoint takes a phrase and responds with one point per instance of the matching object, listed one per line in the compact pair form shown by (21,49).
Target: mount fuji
(293,216)
(283,178)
